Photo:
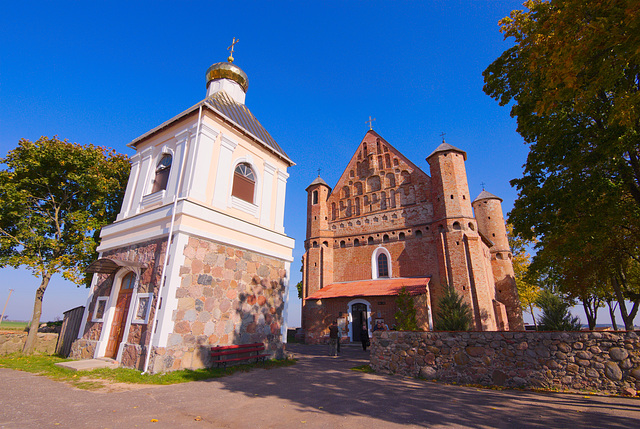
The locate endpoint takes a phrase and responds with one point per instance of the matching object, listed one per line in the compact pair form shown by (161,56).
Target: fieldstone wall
(13,342)
(226,296)
(596,361)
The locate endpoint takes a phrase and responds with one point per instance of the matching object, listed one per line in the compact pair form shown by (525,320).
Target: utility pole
(5,305)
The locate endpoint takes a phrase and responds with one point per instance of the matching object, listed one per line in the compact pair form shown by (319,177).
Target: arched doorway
(120,315)
(358,317)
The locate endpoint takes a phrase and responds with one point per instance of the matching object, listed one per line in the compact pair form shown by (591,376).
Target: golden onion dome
(228,70)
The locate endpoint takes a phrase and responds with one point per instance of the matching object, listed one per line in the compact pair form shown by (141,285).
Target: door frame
(107,324)
(349,305)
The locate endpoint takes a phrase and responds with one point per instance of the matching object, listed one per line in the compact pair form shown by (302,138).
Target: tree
(452,313)
(555,314)
(527,284)
(572,79)
(54,198)
(406,312)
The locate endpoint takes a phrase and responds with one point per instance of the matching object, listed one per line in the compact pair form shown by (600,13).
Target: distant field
(13,326)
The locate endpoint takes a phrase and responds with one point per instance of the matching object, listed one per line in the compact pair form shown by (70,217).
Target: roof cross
(370,122)
(319,169)
(482,184)
(230,49)
(442,135)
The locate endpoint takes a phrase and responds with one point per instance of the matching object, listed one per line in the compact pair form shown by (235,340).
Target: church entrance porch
(116,332)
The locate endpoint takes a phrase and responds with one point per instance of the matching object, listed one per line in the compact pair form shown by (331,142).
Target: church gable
(378,177)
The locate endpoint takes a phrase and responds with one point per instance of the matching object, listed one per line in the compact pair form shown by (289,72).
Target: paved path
(318,391)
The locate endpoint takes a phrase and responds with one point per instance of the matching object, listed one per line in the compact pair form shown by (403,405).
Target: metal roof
(318,181)
(484,195)
(109,266)
(379,287)
(236,113)
(242,117)
(446,147)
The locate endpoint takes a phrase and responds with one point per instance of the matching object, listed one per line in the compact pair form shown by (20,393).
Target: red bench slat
(246,350)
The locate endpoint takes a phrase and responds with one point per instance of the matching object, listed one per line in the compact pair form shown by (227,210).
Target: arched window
(356,242)
(383,265)
(315,197)
(162,174)
(244,182)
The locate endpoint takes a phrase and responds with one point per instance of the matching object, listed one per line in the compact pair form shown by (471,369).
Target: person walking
(364,336)
(333,339)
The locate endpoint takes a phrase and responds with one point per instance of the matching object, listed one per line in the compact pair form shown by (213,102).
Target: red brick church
(387,225)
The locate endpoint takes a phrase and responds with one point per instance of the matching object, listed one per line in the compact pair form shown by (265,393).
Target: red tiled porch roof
(379,287)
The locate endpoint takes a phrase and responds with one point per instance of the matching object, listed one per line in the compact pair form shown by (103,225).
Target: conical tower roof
(318,181)
(446,147)
(484,195)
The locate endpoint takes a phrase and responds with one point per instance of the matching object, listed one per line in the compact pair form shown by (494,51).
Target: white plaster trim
(350,316)
(104,299)
(283,175)
(197,211)
(240,244)
(228,143)
(144,320)
(285,309)
(245,206)
(374,262)
(153,199)
(269,168)
(169,301)
(207,131)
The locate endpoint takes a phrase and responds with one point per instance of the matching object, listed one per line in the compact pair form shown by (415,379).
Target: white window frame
(139,297)
(104,299)
(374,263)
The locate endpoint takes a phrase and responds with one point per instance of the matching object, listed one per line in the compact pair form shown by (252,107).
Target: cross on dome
(370,122)
(230,49)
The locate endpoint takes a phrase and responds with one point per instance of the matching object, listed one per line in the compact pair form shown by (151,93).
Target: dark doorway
(359,316)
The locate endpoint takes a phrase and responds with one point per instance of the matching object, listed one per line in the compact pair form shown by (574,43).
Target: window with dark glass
(244,183)
(162,173)
(383,265)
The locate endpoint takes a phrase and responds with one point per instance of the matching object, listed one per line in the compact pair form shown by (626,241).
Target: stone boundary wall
(13,342)
(606,362)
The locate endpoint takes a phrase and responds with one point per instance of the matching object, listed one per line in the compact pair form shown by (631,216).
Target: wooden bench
(224,354)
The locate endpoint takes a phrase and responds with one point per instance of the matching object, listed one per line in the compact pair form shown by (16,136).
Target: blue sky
(107,72)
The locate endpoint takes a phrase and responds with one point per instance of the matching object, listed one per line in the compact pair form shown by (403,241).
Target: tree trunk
(612,310)
(30,344)
(533,316)
(591,310)
(619,285)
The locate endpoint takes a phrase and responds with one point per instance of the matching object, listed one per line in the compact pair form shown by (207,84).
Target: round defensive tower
(488,212)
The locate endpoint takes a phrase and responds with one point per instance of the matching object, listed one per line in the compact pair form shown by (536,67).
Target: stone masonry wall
(226,296)
(595,361)
(13,342)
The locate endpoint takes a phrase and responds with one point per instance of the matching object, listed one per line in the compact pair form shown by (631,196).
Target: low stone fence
(12,342)
(597,361)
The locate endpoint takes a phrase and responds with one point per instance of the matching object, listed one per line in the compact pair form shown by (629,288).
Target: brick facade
(425,224)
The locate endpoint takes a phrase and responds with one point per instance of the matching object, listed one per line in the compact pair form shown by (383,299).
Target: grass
(363,368)
(45,365)
(13,326)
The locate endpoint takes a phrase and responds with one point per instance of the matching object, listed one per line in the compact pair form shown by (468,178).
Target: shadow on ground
(327,385)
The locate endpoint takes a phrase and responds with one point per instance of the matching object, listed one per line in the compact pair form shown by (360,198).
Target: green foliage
(54,198)
(406,313)
(578,107)
(364,368)
(527,283)
(555,314)
(452,314)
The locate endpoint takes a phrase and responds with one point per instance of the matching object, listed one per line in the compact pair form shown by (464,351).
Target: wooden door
(120,316)
(359,316)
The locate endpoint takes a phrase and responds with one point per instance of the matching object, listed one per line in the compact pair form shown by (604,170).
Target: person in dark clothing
(364,337)
(333,339)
